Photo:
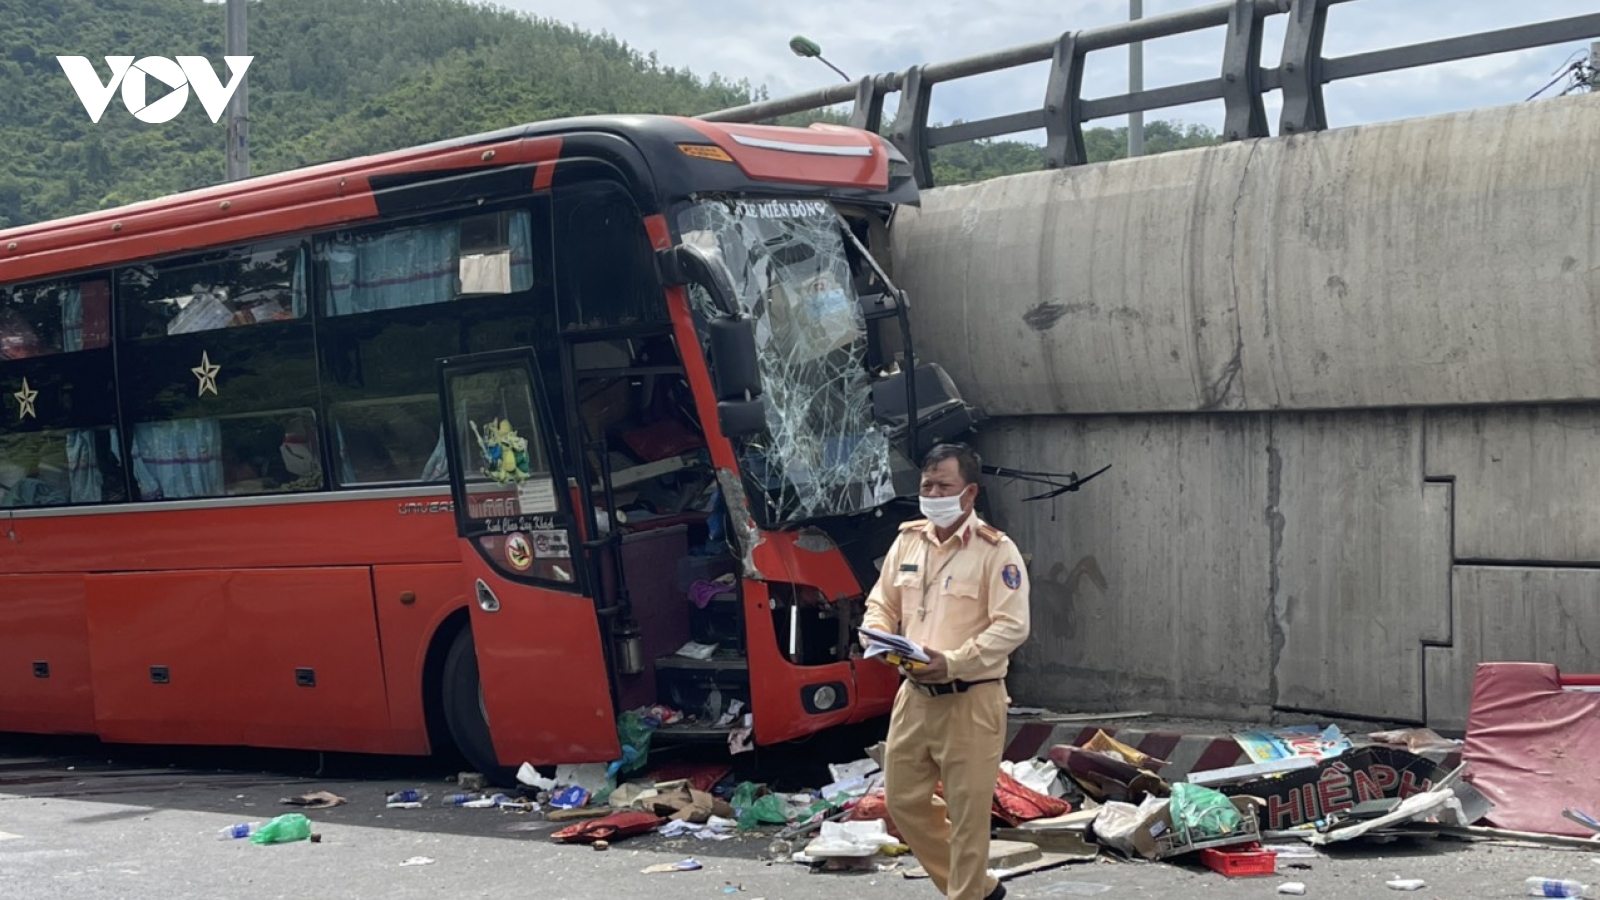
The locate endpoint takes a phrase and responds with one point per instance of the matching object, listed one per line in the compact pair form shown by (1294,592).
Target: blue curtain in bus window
(437,468)
(521,252)
(412,266)
(297,286)
(347,472)
(83,466)
(182,458)
(71,320)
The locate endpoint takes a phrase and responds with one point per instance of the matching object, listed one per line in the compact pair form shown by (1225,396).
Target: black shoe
(999,893)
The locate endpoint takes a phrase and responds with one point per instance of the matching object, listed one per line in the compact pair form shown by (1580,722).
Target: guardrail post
(1063,106)
(1241,75)
(868,111)
(1301,69)
(910,130)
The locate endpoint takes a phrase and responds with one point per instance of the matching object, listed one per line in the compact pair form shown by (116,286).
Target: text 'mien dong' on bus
(490,441)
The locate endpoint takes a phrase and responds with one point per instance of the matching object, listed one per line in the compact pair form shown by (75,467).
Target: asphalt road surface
(78,819)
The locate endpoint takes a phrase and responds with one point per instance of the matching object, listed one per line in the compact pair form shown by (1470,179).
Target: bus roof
(819,159)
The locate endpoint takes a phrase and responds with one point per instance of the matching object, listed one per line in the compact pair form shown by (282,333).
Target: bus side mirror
(736,375)
(687,263)
(735,365)
(731,352)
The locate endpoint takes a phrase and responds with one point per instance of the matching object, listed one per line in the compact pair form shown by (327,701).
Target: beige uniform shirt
(966,598)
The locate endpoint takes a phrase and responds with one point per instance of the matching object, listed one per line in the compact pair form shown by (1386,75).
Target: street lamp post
(810,49)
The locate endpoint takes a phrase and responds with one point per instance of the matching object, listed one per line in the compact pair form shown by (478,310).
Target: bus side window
(228,289)
(218,374)
(396,298)
(605,273)
(58,436)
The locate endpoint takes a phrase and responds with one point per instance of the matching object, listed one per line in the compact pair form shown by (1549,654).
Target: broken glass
(821,453)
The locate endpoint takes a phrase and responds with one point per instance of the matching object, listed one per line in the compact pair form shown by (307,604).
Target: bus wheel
(464,711)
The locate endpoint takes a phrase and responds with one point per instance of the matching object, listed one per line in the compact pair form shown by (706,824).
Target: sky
(748,39)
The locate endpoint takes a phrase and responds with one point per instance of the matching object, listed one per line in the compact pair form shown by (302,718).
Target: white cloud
(748,39)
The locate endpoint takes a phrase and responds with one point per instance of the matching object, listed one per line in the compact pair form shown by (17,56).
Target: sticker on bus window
(551,545)
(536,496)
(518,552)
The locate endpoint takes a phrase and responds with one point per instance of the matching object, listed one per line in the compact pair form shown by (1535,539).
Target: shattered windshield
(821,454)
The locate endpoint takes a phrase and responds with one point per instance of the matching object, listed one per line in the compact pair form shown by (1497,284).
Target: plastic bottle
(458,799)
(1555,887)
(284,829)
(488,802)
(235,832)
(409,795)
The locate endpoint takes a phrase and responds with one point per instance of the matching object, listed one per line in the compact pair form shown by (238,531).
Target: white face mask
(941,511)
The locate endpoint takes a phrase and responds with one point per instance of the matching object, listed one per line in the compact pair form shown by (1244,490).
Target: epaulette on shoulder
(914,523)
(991,534)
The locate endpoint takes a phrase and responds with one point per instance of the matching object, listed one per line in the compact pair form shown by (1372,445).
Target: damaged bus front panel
(805,339)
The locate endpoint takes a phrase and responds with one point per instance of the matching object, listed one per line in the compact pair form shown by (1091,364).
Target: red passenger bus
(490,441)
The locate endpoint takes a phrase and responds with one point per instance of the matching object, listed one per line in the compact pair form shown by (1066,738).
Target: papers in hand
(892,645)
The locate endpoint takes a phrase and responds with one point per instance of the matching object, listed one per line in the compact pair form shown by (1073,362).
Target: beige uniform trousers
(957,739)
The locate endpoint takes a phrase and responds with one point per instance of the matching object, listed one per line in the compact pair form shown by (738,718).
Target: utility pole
(1135,82)
(238,150)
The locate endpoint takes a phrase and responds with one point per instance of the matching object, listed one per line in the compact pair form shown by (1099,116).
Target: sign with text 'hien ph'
(132,76)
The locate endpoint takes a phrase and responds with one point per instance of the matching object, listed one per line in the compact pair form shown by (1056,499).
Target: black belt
(953,687)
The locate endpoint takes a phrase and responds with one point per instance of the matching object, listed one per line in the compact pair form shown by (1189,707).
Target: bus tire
(464,710)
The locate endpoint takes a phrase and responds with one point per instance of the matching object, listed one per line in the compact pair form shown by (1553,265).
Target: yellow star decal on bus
(207,373)
(25,398)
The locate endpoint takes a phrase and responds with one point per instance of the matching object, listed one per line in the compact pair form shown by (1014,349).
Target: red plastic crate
(1246,860)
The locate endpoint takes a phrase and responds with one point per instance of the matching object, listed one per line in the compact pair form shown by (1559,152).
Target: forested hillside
(333,79)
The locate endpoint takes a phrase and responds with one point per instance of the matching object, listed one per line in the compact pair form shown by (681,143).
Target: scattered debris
(315,800)
(608,828)
(472,781)
(285,829)
(1417,740)
(1582,818)
(1555,887)
(411,798)
(1240,861)
(1295,740)
(1302,787)
(687,865)
(1309,797)
(418,861)
(1532,747)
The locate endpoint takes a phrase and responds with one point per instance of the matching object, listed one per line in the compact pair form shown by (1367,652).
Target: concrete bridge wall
(1350,383)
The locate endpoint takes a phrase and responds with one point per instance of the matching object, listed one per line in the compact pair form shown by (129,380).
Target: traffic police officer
(958,587)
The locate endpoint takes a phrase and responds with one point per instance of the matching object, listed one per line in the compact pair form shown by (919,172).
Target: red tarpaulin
(1533,746)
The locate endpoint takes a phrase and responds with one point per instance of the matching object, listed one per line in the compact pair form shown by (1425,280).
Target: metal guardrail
(1241,84)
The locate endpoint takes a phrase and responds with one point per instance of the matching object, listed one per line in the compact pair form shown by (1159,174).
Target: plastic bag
(1203,813)
(634,733)
(744,797)
(284,829)
(768,810)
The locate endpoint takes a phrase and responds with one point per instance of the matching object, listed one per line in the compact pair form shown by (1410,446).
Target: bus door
(543,676)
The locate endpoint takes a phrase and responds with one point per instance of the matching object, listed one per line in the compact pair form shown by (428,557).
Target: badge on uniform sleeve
(1012,576)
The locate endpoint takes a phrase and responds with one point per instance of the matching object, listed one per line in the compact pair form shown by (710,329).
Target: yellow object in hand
(903,663)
